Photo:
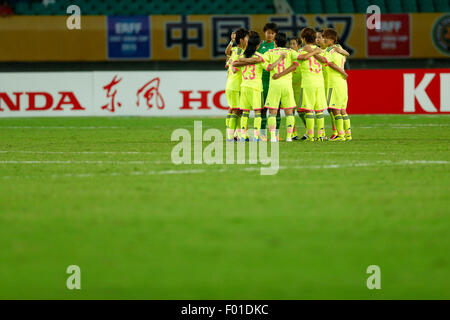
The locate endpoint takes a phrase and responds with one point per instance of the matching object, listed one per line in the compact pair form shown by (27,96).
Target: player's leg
(278,119)
(347,128)
(301,113)
(329,92)
(264,111)
(272,124)
(257,105)
(339,125)
(288,104)
(321,105)
(237,133)
(246,102)
(257,126)
(272,103)
(296,90)
(345,117)
(244,125)
(333,124)
(227,120)
(233,104)
(290,123)
(307,106)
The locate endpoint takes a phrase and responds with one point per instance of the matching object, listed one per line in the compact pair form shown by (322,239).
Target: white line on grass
(77,152)
(59,127)
(155,152)
(240,168)
(80,162)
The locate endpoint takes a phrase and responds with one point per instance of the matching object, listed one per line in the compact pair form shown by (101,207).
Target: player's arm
(227,63)
(333,66)
(242,61)
(341,50)
(308,55)
(321,58)
(246,61)
(230,45)
(285,72)
(273,65)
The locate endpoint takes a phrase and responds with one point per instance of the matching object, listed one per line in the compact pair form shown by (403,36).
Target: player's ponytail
(253,42)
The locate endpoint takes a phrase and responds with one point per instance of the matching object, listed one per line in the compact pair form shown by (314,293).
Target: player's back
(334,77)
(272,56)
(234,79)
(252,74)
(312,71)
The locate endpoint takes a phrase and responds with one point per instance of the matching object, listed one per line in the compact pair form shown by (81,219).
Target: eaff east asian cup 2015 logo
(441,34)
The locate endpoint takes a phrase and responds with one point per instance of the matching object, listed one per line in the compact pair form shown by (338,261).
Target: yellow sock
(231,126)
(339,124)
(238,127)
(272,124)
(346,120)
(333,123)
(227,120)
(257,126)
(309,117)
(244,124)
(290,124)
(320,123)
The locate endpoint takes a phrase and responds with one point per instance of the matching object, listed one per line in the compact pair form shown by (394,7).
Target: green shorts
(251,99)
(233,97)
(312,99)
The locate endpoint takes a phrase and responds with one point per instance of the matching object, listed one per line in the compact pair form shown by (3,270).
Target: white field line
(80,162)
(77,152)
(61,127)
(95,127)
(380,163)
(144,152)
(401,125)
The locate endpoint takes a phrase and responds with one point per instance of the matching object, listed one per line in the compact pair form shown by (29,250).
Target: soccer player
(270,31)
(251,86)
(233,86)
(337,90)
(320,41)
(228,52)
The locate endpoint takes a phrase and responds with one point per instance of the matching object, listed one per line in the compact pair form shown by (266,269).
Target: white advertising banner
(141,93)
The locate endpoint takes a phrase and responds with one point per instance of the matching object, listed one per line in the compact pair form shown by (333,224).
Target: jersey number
(253,75)
(317,66)
(281,65)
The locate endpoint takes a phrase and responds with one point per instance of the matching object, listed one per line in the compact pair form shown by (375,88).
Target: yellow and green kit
(251,85)
(234,79)
(280,90)
(335,86)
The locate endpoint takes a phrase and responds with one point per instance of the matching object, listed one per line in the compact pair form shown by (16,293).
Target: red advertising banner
(393,39)
(201,93)
(399,91)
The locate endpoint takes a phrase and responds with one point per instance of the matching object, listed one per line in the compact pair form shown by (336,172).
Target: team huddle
(305,75)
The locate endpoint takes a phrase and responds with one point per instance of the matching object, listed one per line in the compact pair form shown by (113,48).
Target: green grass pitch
(102,193)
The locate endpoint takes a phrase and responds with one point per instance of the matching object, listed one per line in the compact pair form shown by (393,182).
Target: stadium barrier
(195,93)
(204,37)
